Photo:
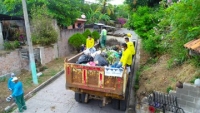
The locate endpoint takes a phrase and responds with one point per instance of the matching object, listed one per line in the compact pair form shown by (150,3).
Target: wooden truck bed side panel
(93,78)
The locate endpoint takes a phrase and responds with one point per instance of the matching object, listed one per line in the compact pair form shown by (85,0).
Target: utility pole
(30,47)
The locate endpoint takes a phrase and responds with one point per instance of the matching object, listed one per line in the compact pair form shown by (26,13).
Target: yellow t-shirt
(126,58)
(131,47)
(89,43)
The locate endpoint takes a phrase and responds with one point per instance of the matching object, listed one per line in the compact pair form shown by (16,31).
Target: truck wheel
(115,104)
(78,97)
(84,98)
(122,106)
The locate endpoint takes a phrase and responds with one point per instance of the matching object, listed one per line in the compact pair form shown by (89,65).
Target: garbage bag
(101,61)
(84,59)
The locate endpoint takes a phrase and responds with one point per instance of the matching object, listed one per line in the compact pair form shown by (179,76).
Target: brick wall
(10,62)
(188,98)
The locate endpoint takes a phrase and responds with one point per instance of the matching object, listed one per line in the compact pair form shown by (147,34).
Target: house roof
(80,19)
(7,17)
(193,45)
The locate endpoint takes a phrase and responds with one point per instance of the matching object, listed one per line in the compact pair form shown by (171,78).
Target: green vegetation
(77,40)
(137,80)
(95,35)
(86,33)
(169,88)
(43,32)
(8,45)
(64,11)
(167,28)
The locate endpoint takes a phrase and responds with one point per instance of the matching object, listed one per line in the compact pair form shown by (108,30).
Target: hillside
(157,76)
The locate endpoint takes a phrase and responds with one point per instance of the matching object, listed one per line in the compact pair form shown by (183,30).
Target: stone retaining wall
(188,98)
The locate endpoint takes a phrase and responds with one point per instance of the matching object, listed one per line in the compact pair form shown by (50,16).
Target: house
(10,28)
(79,24)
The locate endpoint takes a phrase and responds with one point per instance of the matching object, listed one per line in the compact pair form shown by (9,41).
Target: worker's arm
(9,82)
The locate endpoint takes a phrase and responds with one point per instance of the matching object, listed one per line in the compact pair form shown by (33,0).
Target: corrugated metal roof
(193,45)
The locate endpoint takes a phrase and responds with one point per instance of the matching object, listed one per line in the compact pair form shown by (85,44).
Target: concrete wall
(188,98)
(48,54)
(63,46)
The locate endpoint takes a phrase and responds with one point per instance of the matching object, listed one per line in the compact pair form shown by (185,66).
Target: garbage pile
(106,57)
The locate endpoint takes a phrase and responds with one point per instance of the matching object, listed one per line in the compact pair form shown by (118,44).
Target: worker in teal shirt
(10,86)
(103,37)
(18,94)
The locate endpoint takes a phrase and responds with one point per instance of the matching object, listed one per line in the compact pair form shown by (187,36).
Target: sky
(113,2)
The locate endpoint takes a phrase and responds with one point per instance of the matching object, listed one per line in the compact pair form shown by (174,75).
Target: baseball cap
(14,79)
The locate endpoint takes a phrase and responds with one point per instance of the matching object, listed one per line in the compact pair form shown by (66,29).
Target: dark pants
(19,100)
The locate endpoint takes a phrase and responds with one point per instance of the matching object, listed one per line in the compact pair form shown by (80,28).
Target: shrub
(8,46)
(11,45)
(43,32)
(86,33)
(77,40)
(16,44)
(169,88)
(95,35)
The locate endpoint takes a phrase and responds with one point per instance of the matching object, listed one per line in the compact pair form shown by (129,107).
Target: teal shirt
(103,32)
(18,89)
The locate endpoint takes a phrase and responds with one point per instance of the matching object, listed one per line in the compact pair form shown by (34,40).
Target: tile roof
(193,45)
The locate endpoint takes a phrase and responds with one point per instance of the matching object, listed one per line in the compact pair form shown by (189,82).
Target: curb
(132,100)
(30,94)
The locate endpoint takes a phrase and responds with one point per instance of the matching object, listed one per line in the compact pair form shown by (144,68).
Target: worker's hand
(124,67)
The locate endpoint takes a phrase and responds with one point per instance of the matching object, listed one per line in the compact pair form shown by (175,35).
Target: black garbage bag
(101,60)
(84,59)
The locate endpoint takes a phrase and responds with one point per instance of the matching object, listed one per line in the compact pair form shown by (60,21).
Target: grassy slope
(158,77)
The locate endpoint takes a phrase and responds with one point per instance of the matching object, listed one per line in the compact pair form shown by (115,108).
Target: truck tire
(83,97)
(123,104)
(115,104)
(78,97)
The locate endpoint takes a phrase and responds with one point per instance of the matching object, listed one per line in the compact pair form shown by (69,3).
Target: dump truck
(97,82)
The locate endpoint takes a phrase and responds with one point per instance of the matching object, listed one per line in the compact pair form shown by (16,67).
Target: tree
(2,7)
(96,16)
(65,11)
(133,4)
(14,7)
(105,7)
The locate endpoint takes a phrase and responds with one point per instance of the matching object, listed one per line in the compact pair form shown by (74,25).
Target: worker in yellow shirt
(89,42)
(131,46)
(126,59)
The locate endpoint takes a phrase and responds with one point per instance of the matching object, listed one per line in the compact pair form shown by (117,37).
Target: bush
(77,40)
(169,88)
(86,33)
(8,46)
(11,45)
(43,32)
(16,44)
(95,35)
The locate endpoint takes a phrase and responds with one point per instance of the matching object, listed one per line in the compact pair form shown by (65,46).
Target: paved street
(54,98)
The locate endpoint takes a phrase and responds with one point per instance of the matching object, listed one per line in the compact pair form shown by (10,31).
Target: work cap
(14,79)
